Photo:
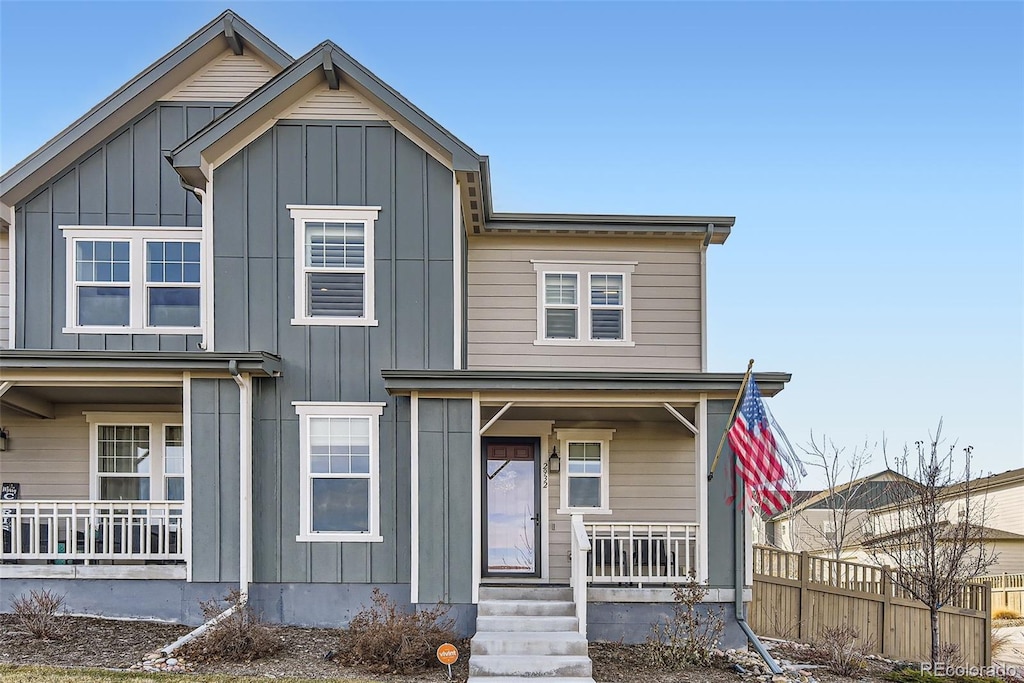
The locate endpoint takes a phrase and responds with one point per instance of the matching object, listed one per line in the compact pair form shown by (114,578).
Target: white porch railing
(641,552)
(580,546)
(61,531)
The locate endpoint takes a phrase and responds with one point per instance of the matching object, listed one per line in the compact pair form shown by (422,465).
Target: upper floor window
(133,279)
(583,303)
(334,265)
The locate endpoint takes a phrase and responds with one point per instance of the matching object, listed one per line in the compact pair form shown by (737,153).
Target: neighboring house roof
(226,30)
(977,485)
(326,62)
(400,382)
(870,492)
(985,532)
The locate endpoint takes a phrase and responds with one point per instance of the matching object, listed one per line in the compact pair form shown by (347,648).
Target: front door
(511,507)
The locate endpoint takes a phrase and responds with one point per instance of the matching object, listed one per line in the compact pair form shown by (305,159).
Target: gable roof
(326,62)
(870,493)
(947,530)
(226,30)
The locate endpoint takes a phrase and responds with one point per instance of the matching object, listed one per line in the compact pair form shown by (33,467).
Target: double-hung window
(583,303)
(137,456)
(334,265)
(585,480)
(133,280)
(340,485)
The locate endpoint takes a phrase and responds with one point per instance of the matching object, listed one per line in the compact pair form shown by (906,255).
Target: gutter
(739,538)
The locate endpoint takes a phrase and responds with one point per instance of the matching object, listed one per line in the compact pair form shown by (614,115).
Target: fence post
(986,597)
(884,640)
(805,577)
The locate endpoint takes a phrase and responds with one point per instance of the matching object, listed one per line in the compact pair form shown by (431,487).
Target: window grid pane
(340,446)
(585,459)
(560,289)
(172,262)
(335,245)
(102,261)
(123,449)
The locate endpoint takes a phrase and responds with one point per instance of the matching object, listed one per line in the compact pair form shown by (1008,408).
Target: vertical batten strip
(414,497)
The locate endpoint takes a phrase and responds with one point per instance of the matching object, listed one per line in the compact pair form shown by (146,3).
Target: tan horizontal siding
(49,458)
(653,479)
(665,305)
(228,78)
(343,104)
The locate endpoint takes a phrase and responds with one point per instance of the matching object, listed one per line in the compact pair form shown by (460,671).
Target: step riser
(525,608)
(546,593)
(518,624)
(524,679)
(527,666)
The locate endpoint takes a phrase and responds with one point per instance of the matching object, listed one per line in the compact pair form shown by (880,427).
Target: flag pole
(732,416)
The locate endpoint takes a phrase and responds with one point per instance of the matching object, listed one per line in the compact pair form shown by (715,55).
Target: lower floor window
(339,443)
(137,456)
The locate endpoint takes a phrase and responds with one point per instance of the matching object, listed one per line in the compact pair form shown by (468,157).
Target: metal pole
(732,416)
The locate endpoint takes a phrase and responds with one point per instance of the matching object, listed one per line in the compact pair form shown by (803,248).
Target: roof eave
(254,362)
(401,382)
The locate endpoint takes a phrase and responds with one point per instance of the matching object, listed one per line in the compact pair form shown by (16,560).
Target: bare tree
(935,538)
(845,490)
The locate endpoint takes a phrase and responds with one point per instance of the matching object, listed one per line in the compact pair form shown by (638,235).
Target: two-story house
(266,332)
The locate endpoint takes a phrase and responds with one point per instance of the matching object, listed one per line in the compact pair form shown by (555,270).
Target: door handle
(536,519)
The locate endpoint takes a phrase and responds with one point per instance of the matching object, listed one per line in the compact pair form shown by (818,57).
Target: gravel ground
(117,644)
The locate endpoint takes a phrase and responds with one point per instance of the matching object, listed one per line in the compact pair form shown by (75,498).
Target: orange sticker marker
(447,654)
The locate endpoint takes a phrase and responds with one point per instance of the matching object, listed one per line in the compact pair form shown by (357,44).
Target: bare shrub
(39,613)
(690,636)
(242,636)
(382,638)
(1006,613)
(951,654)
(843,656)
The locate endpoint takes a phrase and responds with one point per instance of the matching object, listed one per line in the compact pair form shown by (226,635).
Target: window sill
(335,322)
(106,329)
(338,538)
(583,511)
(583,342)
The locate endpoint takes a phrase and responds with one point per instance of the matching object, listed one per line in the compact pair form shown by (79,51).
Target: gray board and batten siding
(124,182)
(325,163)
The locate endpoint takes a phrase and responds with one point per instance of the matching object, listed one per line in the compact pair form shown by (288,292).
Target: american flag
(759,460)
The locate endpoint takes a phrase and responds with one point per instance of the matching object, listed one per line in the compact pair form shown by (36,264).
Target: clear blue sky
(873,154)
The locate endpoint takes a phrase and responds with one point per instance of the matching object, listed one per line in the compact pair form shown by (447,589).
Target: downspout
(740,543)
(201,196)
(244,382)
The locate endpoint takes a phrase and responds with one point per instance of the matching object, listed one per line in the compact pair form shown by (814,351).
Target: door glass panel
(511,508)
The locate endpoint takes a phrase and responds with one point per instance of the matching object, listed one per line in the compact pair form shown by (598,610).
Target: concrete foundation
(630,622)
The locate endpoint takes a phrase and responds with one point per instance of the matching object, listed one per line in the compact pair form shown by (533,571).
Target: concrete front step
(530,666)
(530,679)
(506,623)
(526,592)
(526,608)
(536,643)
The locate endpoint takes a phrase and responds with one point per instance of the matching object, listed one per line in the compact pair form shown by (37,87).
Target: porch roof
(401,382)
(253,362)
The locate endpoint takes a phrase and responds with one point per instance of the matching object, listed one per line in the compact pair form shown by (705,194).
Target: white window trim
(367,215)
(567,436)
(583,270)
(156,423)
(137,237)
(307,409)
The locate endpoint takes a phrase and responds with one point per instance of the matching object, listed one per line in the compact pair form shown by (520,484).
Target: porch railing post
(580,546)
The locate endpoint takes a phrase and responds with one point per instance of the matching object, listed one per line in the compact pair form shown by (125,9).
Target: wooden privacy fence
(796,595)
(1007,591)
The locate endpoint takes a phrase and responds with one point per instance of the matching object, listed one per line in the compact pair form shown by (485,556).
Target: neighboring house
(996,508)
(267,332)
(818,520)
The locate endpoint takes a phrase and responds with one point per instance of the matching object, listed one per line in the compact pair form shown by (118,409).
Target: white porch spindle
(92,530)
(641,552)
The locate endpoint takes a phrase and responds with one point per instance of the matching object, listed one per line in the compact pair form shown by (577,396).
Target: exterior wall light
(4,436)
(554,463)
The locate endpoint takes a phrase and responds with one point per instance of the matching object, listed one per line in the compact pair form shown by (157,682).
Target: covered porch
(593,480)
(97,462)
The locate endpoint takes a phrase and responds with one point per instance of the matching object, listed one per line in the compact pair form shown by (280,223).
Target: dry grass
(50,674)
(1006,613)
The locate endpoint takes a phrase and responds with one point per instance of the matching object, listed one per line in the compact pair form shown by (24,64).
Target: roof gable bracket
(234,40)
(329,71)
